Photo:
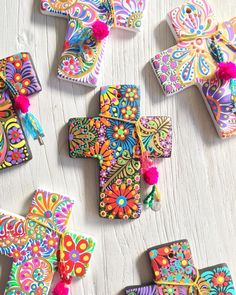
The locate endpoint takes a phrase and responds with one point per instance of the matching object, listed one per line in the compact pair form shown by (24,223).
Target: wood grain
(197,183)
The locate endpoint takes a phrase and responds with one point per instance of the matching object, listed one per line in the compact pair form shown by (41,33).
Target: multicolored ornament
(175,273)
(18,81)
(203,44)
(89,24)
(40,245)
(123,142)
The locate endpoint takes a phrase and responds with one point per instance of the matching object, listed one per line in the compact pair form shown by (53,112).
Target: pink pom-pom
(227,71)
(151,176)
(100,30)
(62,288)
(22,103)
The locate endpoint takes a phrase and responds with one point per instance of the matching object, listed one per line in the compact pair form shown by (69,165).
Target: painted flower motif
(103,154)
(39,289)
(109,95)
(219,100)
(122,201)
(170,290)
(220,279)
(52,240)
(129,113)
(130,93)
(15,135)
(121,136)
(15,156)
(35,249)
(35,274)
(71,66)
(18,254)
(76,256)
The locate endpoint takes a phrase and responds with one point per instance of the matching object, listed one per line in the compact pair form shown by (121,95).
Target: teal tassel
(32,126)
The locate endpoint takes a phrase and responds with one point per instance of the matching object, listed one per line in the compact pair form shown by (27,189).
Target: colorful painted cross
(82,56)
(33,244)
(192,61)
(175,273)
(19,71)
(112,139)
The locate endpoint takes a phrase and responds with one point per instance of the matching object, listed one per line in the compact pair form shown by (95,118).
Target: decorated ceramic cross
(203,45)
(117,139)
(18,80)
(89,23)
(34,242)
(175,273)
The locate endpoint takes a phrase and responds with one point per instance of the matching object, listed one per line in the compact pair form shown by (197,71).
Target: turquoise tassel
(32,126)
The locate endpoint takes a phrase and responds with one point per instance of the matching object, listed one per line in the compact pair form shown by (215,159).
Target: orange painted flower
(103,154)
(121,200)
(129,113)
(76,257)
(120,132)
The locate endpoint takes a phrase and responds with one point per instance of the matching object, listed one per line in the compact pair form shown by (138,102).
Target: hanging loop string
(202,286)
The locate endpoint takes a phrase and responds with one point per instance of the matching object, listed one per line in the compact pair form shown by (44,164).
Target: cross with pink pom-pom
(88,25)
(40,245)
(205,56)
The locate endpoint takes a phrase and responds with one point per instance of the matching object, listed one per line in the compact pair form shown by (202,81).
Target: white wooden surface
(197,183)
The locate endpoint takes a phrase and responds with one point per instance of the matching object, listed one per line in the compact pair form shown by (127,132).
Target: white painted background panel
(198,183)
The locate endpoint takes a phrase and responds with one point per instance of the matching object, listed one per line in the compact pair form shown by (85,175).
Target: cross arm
(156,135)
(83,136)
(77,254)
(19,70)
(181,66)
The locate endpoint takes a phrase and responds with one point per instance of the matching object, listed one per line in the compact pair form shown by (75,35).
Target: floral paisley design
(193,61)
(19,70)
(34,247)
(112,139)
